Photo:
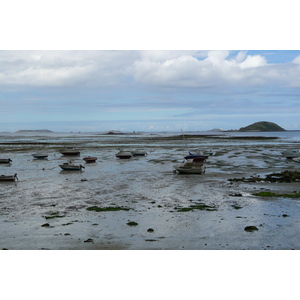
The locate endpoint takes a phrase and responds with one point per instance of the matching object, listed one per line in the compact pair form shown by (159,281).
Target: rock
(236,195)
(150,230)
(132,223)
(88,241)
(250,228)
(45,225)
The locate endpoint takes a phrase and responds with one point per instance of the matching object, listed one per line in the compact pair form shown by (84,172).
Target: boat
(124,154)
(69,151)
(296,159)
(8,177)
(90,159)
(190,167)
(70,167)
(291,153)
(5,161)
(196,156)
(40,155)
(208,153)
(138,153)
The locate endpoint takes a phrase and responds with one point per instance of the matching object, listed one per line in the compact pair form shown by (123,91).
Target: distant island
(25,131)
(262,126)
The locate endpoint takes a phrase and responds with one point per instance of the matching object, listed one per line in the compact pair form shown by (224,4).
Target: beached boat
(208,153)
(71,167)
(291,153)
(190,167)
(124,154)
(196,156)
(139,153)
(40,155)
(90,159)
(5,161)
(69,151)
(8,177)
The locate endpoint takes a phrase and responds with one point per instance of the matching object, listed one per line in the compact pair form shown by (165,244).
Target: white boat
(296,159)
(40,155)
(190,167)
(71,167)
(124,154)
(291,153)
(208,153)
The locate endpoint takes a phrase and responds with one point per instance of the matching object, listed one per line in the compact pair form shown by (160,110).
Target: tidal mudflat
(140,203)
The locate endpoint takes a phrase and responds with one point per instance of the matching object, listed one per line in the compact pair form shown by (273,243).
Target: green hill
(262,126)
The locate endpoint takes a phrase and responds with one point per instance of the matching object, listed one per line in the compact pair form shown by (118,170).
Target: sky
(104,85)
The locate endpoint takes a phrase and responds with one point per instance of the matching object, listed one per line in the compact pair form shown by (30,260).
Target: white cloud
(297,60)
(253,62)
(155,68)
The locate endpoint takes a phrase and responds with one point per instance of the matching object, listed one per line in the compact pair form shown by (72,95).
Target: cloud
(155,69)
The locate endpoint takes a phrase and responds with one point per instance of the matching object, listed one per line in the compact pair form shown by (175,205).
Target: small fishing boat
(196,156)
(208,153)
(296,159)
(69,151)
(70,167)
(90,159)
(40,155)
(291,153)
(5,161)
(124,154)
(138,153)
(190,167)
(8,177)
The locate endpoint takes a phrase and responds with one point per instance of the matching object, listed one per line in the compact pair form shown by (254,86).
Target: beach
(141,203)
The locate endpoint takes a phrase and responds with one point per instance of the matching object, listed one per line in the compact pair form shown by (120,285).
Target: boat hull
(90,159)
(5,161)
(190,168)
(124,155)
(8,178)
(40,156)
(67,167)
(70,153)
(291,154)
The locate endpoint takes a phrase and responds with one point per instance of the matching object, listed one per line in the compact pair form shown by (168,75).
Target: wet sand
(48,208)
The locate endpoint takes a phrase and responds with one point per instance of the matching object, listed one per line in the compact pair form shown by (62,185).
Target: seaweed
(54,215)
(271,194)
(109,208)
(199,206)
(285,176)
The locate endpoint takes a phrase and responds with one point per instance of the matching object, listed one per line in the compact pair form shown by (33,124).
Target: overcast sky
(154,90)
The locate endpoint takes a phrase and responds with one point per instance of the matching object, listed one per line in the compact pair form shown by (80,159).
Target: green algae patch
(285,176)
(109,208)
(270,194)
(197,206)
(54,215)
